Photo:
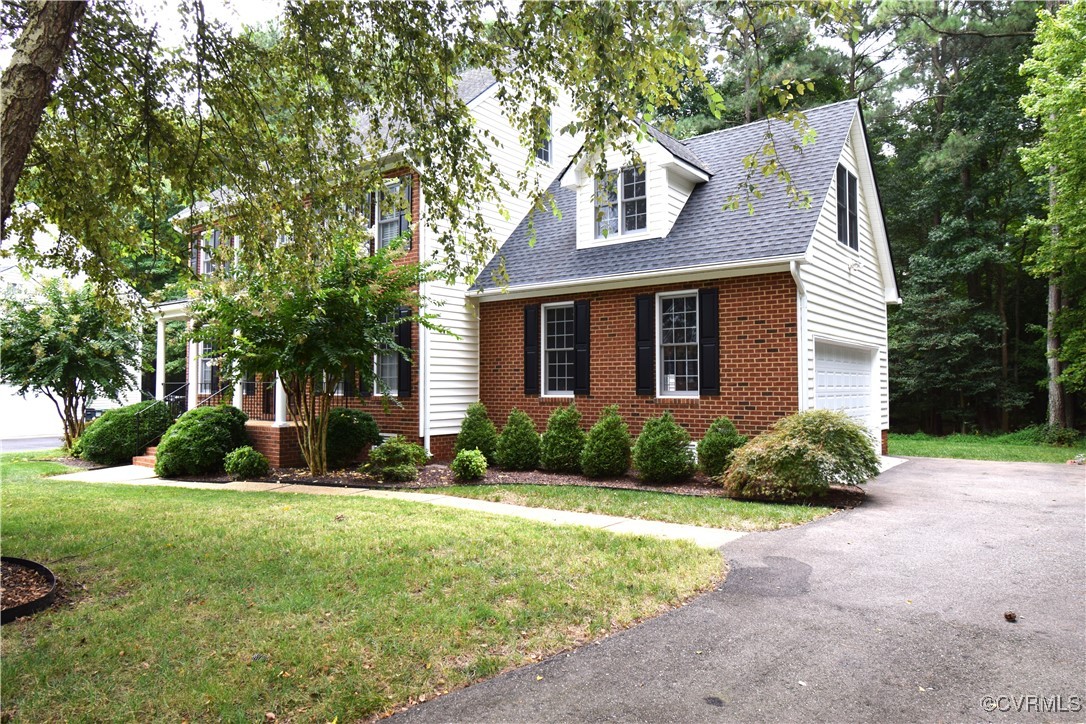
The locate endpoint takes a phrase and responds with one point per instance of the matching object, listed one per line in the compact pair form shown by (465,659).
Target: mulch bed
(19,585)
(438,475)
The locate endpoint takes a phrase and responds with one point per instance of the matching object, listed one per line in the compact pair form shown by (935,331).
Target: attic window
(847,213)
(543,153)
(622,204)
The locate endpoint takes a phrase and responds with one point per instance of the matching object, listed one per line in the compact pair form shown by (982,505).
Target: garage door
(843,381)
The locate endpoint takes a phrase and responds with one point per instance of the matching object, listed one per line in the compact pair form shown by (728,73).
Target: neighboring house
(645,293)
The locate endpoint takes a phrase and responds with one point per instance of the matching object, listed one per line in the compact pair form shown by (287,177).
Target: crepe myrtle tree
(60,343)
(313,320)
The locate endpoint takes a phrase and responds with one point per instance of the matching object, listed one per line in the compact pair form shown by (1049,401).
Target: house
(644,292)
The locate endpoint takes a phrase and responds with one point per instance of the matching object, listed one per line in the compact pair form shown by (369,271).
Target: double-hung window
(543,153)
(393,205)
(208,382)
(621,202)
(848,231)
(386,373)
(678,350)
(558,349)
(212,241)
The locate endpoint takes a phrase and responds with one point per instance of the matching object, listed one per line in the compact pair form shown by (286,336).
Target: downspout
(801,332)
(424,340)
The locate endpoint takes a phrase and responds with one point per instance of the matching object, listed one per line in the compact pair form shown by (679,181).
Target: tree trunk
(27,84)
(1056,396)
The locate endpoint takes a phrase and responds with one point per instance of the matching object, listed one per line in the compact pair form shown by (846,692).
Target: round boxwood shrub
(199,441)
(562,442)
(518,445)
(123,433)
(246,463)
(662,452)
(349,432)
(469,465)
(801,456)
(606,451)
(396,460)
(717,447)
(477,432)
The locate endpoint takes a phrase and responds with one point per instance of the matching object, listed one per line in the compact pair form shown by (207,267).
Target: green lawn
(193,604)
(668,507)
(980,447)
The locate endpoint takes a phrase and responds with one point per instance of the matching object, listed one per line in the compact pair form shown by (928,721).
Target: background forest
(942,85)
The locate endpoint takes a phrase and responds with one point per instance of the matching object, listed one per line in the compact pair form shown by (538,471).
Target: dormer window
(621,202)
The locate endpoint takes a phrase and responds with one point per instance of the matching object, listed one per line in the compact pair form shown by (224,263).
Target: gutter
(656,276)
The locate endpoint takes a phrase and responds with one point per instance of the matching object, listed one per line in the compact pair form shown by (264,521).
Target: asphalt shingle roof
(704,232)
(473,82)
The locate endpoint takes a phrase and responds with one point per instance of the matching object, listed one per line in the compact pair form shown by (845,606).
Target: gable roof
(677,148)
(472,82)
(704,234)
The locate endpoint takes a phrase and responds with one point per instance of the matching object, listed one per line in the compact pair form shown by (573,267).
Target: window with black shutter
(847,211)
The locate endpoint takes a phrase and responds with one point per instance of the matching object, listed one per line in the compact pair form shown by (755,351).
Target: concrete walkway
(705,537)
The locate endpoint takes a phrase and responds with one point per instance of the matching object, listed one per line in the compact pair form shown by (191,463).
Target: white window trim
(620,235)
(543,349)
(204,365)
(660,296)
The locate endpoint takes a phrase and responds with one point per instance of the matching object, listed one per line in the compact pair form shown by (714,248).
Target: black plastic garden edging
(30,607)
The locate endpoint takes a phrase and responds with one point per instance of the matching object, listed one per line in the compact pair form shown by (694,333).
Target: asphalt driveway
(890,612)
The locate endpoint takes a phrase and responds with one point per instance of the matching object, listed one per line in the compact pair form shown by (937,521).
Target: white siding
(846,299)
(451,362)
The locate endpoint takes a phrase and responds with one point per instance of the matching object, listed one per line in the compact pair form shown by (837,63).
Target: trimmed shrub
(717,447)
(562,442)
(123,433)
(349,432)
(606,451)
(469,465)
(396,460)
(246,463)
(800,456)
(199,441)
(662,452)
(477,432)
(518,445)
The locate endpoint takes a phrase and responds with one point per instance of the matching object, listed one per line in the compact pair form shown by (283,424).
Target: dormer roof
(704,233)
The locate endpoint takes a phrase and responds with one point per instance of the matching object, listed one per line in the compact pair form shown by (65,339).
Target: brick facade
(758,357)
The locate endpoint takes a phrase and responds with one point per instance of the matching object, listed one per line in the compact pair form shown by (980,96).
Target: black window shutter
(646,335)
(708,342)
(531,349)
(403,338)
(368,206)
(350,381)
(842,204)
(405,225)
(853,211)
(194,256)
(581,352)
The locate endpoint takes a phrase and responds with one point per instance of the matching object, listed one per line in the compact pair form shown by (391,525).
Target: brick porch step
(147,460)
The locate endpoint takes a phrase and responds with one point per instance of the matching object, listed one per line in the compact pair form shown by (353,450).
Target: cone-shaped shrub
(477,432)
(606,452)
(560,448)
(518,445)
(662,452)
(717,447)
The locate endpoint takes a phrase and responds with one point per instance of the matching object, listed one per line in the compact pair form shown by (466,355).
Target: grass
(667,507)
(208,605)
(981,447)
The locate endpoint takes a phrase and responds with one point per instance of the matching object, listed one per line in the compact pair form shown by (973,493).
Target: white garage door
(843,381)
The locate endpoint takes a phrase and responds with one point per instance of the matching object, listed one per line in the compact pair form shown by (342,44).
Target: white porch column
(160,359)
(280,402)
(239,394)
(194,373)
